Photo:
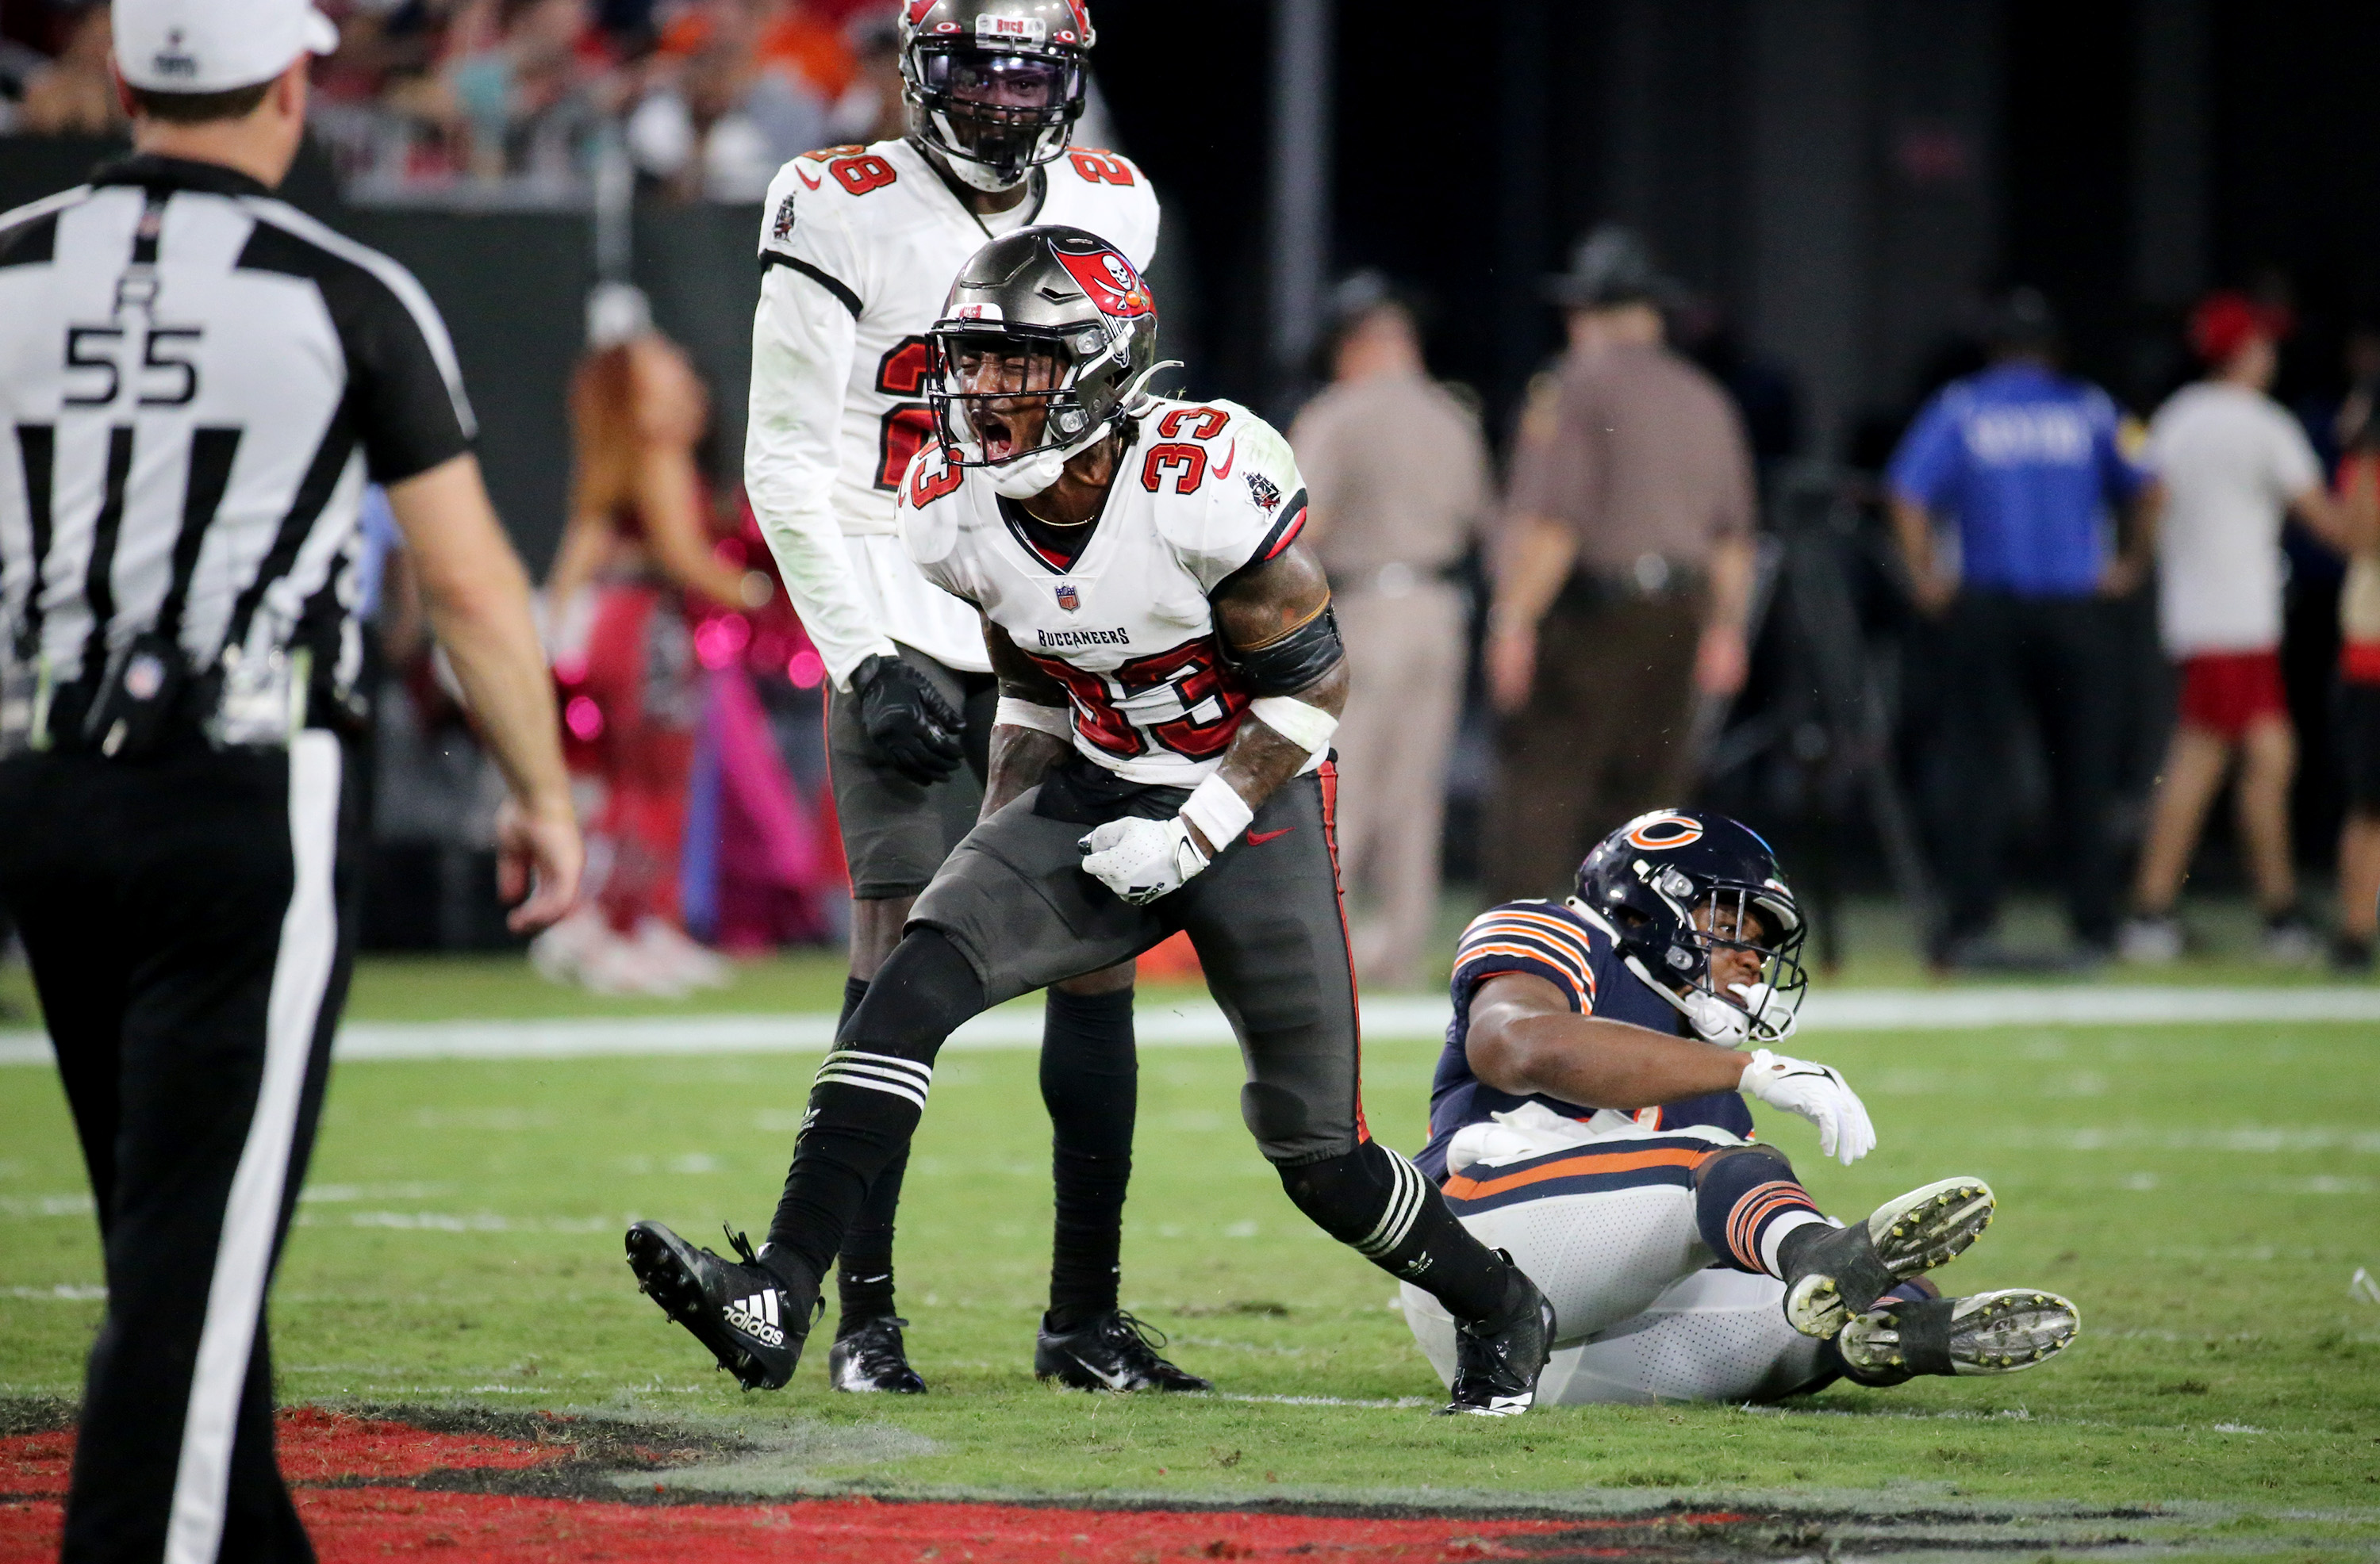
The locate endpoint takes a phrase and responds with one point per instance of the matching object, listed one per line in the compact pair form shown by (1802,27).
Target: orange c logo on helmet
(1659,833)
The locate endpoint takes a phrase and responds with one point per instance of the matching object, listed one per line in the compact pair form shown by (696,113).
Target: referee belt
(214,710)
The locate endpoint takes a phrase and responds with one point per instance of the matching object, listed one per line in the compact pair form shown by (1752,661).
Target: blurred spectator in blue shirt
(2021,465)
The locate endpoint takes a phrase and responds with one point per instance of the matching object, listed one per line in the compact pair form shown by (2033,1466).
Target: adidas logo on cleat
(757,1316)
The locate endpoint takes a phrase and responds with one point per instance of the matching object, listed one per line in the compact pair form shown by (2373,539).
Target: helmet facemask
(994,114)
(1735,937)
(1013,400)
(1677,930)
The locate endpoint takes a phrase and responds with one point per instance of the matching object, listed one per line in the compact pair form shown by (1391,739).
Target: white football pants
(1640,1312)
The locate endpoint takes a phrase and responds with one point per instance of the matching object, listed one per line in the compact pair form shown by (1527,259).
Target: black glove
(907,718)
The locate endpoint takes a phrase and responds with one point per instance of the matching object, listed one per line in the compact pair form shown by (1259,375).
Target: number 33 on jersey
(1202,491)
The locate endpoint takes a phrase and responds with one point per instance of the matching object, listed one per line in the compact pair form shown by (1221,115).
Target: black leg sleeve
(1379,1204)
(1090,1081)
(866,1102)
(863,1271)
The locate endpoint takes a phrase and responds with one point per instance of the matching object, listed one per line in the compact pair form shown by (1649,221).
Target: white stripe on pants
(301,972)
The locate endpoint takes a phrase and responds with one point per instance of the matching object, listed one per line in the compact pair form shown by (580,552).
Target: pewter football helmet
(995,86)
(1074,327)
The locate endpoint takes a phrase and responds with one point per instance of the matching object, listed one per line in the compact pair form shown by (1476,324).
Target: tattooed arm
(1019,753)
(1263,609)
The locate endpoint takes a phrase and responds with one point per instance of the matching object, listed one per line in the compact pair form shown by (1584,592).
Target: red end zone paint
(351,1525)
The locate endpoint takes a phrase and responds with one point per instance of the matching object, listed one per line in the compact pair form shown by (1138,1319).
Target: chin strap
(1023,478)
(974,172)
(1636,965)
(1031,475)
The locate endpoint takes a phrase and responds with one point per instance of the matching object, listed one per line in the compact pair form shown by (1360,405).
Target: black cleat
(868,1356)
(1115,1352)
(2000,1332)
(1496,1370)
(1842,1271)
(742,1312)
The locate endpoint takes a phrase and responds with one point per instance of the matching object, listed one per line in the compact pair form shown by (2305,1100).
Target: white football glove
(1818,1094)
(1141,860)
(1716,1021)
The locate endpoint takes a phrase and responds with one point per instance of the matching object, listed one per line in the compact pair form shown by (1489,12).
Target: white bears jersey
(858,246)
(1204,490)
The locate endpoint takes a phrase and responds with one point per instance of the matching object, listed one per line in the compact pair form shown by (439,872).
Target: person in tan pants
(1398,484)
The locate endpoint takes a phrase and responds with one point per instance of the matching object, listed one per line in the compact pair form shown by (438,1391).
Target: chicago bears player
(1682,1261)
(858,246)
(1170,677)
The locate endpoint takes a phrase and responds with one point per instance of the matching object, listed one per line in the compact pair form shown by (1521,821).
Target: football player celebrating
(1170,676)
(858,247)
(1682,1261)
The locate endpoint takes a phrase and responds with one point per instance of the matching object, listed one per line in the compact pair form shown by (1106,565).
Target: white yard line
(1197,1024)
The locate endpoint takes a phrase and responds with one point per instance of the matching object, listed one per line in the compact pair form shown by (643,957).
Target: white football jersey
(839,405)
(1205,489)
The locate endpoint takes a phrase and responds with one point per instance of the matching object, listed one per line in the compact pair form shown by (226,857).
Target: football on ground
(2203,1191)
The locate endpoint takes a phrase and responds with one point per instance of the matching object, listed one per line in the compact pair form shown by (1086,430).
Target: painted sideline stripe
(1197,1024)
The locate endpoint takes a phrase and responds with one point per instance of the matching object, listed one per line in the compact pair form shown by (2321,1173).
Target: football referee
(196,384)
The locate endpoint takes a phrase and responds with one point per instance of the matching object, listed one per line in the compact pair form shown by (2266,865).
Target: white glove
(1716,1021)
(1141,860)
(1818,1094)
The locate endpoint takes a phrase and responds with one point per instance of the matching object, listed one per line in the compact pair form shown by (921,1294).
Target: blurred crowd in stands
(706,98)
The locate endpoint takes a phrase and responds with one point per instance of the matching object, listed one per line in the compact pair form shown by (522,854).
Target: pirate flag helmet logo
(1106,278)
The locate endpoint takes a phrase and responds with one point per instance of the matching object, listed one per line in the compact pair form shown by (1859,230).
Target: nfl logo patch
(1069,599)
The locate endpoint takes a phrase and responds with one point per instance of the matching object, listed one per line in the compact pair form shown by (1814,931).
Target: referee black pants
(190,922)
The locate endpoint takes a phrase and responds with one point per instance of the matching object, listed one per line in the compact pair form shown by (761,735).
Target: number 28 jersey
(839,405)
(1204,490)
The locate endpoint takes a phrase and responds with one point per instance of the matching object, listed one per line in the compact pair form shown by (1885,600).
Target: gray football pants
(1264,918)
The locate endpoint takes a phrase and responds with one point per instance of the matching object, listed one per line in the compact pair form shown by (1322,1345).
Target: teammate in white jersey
(1170,677)
(857,248)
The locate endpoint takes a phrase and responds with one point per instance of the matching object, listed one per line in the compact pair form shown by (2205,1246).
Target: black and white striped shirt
(196,381)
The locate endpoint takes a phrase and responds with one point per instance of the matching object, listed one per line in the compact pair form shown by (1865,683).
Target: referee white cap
(214,46)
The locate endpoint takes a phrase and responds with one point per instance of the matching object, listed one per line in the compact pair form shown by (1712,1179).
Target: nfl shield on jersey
(1203,490)
(881,229)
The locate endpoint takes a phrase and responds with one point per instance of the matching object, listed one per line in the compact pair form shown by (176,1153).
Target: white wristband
(1308,727)
(1055,721)
(1218,810)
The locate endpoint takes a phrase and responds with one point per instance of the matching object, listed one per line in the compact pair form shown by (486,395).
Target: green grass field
(2204,1192)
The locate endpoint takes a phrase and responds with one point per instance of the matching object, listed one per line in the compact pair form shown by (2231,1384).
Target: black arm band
(1291,663)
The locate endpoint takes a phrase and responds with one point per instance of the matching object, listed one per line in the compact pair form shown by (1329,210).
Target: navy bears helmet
(1645,881)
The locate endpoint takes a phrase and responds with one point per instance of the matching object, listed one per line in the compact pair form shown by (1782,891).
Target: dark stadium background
(1838,177)
(1839,182)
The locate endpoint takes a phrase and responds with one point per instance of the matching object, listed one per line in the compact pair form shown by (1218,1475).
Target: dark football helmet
(1647,880)
(995,86)
(1048,315)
